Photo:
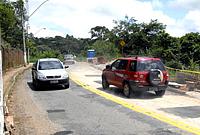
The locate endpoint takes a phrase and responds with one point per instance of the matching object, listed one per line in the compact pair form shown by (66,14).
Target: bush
(47,54)
(174,64)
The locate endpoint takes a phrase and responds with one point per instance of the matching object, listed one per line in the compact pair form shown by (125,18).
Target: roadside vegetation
(144,39)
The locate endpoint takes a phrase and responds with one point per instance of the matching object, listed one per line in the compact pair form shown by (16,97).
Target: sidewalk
(9,79)
(174,87)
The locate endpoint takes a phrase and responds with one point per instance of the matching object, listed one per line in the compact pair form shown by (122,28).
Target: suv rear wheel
(127,90)
(160,93)
(105,83)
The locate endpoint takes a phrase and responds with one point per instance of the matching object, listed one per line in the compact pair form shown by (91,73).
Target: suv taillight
(167,76)
(139,77)
(135,76)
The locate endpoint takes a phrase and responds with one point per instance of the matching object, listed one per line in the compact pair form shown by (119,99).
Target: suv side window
(120,65)
(123,64)
(133,65)
(115,65)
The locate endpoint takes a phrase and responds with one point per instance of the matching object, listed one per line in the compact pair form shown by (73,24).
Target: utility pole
(24,39)
(27,27)
(1,92)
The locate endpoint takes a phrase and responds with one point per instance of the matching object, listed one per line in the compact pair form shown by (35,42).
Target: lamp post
(39,31)
(27,27)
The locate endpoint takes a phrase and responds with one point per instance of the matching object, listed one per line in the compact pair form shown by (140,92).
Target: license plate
(153,89)
(53,82)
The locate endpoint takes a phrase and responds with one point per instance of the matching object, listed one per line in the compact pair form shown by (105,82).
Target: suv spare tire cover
(155,77)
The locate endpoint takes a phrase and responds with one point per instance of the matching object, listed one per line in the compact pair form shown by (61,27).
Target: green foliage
(47,54)
(190,49)
(99,32)
(146,39)
(139,37)
(150,39)
(174,64)
(106,49)
(10,22)
(194,65)
(66,45)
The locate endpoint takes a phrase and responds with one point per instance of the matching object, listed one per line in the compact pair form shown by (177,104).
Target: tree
(7,19)
(99,32)
(139,37)
(10,21)
(190,48)
(106,49)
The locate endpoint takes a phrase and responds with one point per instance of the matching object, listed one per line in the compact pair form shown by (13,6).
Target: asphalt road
(79,112)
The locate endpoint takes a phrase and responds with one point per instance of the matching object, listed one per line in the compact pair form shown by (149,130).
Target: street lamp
(39,31)
(27,27)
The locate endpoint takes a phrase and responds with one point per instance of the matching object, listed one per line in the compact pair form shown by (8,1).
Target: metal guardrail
(187,75)
(191,78)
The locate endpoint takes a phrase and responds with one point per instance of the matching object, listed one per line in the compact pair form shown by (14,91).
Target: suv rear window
(146,65)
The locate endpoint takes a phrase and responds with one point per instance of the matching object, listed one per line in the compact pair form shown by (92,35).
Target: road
(77,111)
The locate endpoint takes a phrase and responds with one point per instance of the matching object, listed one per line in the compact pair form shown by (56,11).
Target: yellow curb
(163,118)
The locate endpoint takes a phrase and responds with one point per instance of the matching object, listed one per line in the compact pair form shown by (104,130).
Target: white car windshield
(46,65)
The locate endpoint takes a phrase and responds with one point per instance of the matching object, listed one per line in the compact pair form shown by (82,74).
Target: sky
(77,17)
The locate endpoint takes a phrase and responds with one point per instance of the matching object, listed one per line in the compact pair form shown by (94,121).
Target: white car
(69,59)
(49,71)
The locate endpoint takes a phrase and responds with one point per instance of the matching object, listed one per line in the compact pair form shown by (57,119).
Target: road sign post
(122,43)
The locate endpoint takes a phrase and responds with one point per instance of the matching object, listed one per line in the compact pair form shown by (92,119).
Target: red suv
(136,74)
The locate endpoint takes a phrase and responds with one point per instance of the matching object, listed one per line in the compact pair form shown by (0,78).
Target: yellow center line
(161,117)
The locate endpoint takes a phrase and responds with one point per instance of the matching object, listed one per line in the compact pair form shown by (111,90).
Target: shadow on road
(46,88)
(64,133)
(136,95)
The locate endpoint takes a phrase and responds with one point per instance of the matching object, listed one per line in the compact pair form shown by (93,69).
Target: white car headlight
(41,76)
(65,76)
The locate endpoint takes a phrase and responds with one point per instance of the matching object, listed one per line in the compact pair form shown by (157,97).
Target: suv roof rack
(136,56)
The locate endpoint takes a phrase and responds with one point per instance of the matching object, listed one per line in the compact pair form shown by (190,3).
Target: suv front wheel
(105,83)
(160,93)
(127,90)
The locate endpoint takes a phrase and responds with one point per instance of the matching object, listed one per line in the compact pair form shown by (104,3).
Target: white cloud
(192,19)
(157,4)
(185,4)
(77,17)
(190,23)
